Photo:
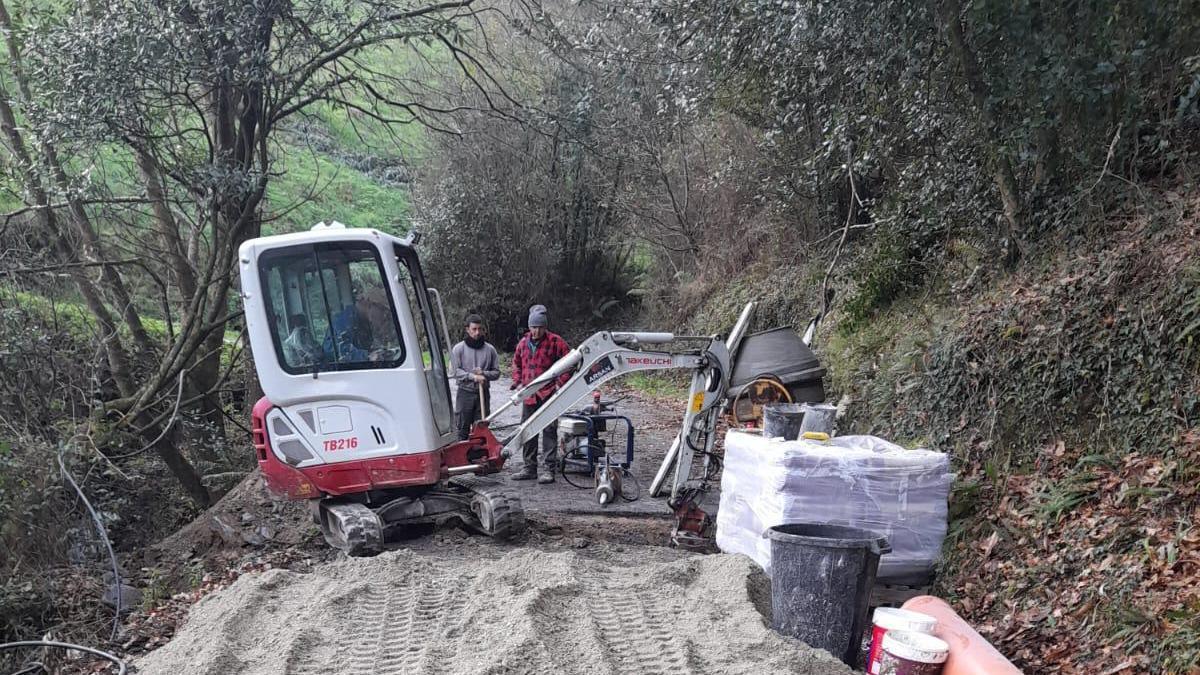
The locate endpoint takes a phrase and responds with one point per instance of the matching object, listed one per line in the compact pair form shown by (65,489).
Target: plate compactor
(588,440)
(350,348)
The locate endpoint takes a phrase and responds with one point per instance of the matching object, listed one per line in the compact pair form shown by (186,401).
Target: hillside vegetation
(1067,392)
(141,146)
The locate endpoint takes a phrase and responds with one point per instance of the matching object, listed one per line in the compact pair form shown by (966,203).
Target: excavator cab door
(329,308)
(434,354)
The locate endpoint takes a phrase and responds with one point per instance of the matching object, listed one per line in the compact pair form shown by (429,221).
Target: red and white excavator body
(351,356)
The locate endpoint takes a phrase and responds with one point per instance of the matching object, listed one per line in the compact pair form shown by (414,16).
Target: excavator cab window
(329,308)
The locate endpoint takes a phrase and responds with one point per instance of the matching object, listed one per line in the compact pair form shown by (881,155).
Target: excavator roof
(332,231)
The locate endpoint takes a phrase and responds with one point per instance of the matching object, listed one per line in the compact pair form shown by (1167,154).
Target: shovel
(484,389)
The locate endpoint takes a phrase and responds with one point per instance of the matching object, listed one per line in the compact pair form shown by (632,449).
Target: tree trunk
(93,251)
(1002,171)
(180,467)
(119,366)
(114,351)
(206,376)
(168,229)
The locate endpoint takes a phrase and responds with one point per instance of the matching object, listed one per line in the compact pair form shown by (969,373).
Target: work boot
(545,476)
(525,474)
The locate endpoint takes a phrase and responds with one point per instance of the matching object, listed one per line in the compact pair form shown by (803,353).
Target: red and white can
(891,618)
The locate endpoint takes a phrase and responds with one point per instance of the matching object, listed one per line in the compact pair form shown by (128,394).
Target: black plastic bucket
(821,580)
(818,417)
(782,420)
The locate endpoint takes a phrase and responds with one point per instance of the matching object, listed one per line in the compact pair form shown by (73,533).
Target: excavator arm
(605,356)
(608,355)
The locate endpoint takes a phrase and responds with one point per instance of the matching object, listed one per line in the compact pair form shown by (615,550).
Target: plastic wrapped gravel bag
(860,481)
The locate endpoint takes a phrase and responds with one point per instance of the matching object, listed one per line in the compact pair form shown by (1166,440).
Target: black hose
(107,544)
(563,469)
(34,644)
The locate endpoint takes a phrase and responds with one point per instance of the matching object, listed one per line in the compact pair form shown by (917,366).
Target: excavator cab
(347,345)
(328,309)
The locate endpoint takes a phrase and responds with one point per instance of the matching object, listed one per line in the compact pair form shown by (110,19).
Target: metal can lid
(912,646)
(892,618)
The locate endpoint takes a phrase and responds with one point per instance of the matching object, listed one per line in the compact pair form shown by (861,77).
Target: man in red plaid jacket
(536,352)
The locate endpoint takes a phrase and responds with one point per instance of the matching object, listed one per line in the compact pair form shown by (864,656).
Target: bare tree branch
(67,266)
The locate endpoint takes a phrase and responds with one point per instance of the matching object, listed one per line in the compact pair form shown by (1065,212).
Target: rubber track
(508,516)
(364,536)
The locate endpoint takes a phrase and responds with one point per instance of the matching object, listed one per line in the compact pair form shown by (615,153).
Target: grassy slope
(315,185)
(312,187)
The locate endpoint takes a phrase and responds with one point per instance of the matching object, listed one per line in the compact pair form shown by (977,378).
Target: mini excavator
(350,346)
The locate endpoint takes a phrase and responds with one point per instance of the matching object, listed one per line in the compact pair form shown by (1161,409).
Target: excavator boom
(608,355)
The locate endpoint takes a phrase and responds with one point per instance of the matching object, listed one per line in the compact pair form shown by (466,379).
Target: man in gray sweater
(475,366)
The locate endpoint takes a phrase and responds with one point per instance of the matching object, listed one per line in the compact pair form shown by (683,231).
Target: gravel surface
(476,607)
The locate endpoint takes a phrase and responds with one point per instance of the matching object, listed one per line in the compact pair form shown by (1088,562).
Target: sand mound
(526,612)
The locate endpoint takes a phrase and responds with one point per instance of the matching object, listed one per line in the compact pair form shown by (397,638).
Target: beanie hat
(537,316)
